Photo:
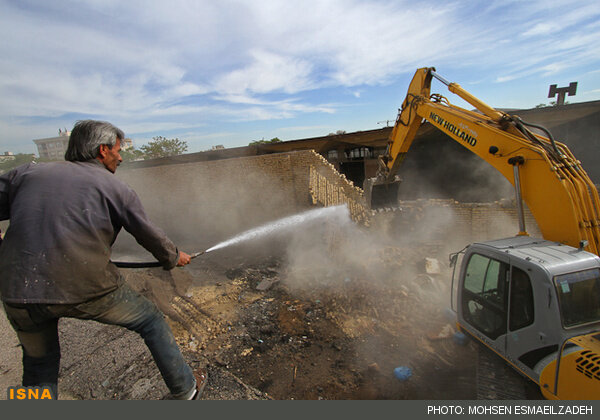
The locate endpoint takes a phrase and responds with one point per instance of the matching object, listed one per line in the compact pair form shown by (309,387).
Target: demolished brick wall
(328,187)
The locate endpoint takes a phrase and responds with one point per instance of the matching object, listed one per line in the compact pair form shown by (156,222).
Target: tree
(131,155)
(263,141)
(163,147)
(337,133)
(552,103)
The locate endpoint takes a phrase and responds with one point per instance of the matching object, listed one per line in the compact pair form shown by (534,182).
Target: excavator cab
(535,303)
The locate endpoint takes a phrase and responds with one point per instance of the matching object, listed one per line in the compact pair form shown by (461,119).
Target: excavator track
(496,380)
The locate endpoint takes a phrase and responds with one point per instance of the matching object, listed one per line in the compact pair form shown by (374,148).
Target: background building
(53,148)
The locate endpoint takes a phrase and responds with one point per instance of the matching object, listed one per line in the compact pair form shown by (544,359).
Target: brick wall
(214,200)
(217,199)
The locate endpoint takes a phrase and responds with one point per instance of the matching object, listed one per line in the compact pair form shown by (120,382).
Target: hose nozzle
(197,254)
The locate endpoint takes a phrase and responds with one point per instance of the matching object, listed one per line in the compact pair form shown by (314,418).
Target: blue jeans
(37,329)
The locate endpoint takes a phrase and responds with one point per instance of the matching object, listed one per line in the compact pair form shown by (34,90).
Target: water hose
(147,264)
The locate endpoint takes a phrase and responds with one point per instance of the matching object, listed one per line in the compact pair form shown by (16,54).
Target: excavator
(533,301)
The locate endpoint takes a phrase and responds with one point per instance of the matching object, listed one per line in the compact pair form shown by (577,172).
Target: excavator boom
(548,178)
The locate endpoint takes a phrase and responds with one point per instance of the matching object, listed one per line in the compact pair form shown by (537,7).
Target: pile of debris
(342,341)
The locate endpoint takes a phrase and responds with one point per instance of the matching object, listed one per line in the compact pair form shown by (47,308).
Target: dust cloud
(198,206)
(438,167)
(373,281)
(337,254)
(388,287)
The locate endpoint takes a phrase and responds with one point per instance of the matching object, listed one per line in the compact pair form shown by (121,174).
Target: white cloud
(187,62)
(503,79)
(188,89)
(540,29)
(267,72)
(553,68)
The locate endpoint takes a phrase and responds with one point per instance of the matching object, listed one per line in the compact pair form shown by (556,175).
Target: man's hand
(183,259)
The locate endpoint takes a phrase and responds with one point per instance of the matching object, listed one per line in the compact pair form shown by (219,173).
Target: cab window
(521,300)
(484,303)
(579,297)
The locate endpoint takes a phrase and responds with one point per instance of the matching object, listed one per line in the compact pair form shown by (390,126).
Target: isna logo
(30,393)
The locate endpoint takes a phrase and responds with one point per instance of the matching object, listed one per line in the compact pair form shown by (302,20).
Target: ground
(262,337)
(343,344)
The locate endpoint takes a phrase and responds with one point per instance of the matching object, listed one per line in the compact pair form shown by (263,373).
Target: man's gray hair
(87,136)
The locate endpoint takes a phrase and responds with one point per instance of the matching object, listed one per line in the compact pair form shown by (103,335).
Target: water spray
(282,225)
(258,232)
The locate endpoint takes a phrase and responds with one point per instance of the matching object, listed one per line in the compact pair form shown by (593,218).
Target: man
(55,257)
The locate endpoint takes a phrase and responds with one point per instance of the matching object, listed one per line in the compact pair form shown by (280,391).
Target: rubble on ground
(341,342)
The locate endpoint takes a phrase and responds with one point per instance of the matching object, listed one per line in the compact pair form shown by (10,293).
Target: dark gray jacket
(64,218)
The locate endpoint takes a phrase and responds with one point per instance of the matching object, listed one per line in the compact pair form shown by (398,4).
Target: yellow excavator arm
(557,190)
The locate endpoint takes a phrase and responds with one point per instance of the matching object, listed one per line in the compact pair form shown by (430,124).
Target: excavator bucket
(381,194)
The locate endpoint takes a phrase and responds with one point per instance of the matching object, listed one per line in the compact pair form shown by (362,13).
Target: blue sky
(230,72)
